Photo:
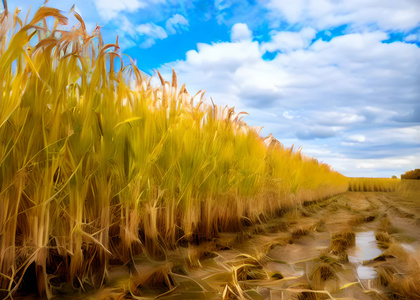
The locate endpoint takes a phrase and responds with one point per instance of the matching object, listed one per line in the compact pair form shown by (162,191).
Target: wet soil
(358,245)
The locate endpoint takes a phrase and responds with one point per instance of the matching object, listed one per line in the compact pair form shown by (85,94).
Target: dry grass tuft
(321,273)
(383,239)
(242,236)
(400,276)
(307,295)
(246,267)
(280,225)
(152,282)
(409,285)
(299,232)
(196,254)
(231,292)
(396,250)
(342,241)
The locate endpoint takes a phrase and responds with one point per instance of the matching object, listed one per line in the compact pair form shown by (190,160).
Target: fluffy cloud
(176,23)
(359,138)
(413,38)
(109,9)
(151,32)
(126,27)
(340,117)
(222,56)
(323,14)
(340,93)
(148,33)
(287,40)
(409,135)
(240,32)
(364,159)
(372,167)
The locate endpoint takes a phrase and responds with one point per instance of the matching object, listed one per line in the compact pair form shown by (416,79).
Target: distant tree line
(413,174)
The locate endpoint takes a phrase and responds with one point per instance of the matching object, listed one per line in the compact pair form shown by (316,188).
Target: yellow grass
(360,184)
(97,165)
(410,189)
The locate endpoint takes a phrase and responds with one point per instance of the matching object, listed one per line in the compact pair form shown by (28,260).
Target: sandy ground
(352,246)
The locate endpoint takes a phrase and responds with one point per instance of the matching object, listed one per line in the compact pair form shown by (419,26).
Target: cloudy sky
(341,78)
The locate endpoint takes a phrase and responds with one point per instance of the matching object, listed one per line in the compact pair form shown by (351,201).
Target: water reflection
(366,249)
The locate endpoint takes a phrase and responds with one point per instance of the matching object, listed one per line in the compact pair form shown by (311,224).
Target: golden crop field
(373,184)
(99,166)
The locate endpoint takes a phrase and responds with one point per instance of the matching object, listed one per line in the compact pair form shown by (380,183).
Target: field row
(97,165)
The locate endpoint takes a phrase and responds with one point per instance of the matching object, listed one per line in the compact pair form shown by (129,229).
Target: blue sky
(339,78)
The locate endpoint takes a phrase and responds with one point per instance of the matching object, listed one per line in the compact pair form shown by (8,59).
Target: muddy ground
(352,246)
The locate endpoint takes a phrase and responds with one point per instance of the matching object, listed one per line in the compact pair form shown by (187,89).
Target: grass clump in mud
(398,270)
(304,295)
(399,285)
(320,274)
(240,272)
(152,283)
(409,285)
(246,267)
(342,241)
(383,239)
(195,254)
(148,281)
(299,232)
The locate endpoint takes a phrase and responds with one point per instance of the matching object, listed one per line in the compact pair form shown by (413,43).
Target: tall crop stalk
(360,184)
(97,165)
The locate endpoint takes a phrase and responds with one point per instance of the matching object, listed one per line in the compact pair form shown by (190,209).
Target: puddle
(366,249)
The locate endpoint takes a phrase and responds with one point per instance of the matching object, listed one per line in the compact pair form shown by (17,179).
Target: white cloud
(404,162)
(386,166)
(222,56)
(412,38)
(287,115)
(126,26)
(221,4)
(291,10)
(349,71)
(340,92)
(148,32)
(109,9)
(288,41)
(176,23)
(359,138)
(240,32)
(152,32)
(403,135)
(346,117)
(323,14)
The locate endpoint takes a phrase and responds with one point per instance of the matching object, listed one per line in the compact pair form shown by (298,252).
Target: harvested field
(114,188)
(352,246)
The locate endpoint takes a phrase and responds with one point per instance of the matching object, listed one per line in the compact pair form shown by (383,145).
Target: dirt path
(330,246)
(352,246)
